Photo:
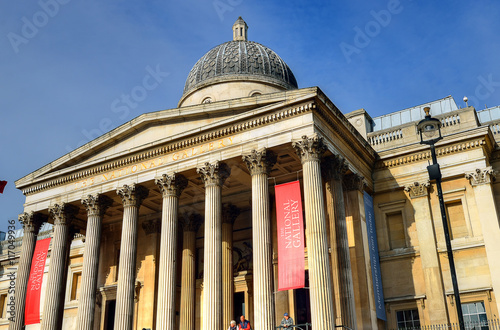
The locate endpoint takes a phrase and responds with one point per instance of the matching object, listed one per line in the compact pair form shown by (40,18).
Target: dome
(239,60)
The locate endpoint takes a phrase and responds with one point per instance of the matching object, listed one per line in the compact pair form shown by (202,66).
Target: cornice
(339,124)
(188,142)
(453,143)
(425,154)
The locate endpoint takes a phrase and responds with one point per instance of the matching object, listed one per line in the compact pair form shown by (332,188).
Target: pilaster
(435,297)
(481,180)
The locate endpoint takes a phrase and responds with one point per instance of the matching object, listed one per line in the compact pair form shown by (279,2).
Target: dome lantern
(240,29)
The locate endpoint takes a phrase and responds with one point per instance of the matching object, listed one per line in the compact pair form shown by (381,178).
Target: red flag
(2,186)
(291,262)
(34,290)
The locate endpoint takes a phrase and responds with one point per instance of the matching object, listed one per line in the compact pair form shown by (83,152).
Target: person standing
(244,324)
(287,321)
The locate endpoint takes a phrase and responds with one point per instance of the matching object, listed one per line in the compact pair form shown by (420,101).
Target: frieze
(186,148)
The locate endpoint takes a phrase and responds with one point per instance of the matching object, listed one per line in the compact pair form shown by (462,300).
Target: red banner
(291,262)
(32,312)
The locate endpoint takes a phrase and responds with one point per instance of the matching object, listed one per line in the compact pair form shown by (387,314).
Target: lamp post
(430,133)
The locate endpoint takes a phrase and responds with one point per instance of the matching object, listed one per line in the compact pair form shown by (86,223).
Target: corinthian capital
(260,162)
(63,213)
(417,189)
(309,148)
(481,176)
(96,204)
(354,182)
(32,221)
(214,174)
(132,195)
(190,221)
(171,185)
(229,213)
(334,167)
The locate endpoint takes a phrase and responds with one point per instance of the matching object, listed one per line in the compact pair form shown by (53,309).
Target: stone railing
(450,120)
(381,138)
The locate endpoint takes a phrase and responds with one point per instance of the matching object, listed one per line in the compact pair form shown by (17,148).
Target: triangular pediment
(161,127)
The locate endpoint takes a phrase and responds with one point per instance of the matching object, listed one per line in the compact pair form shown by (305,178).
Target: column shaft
(317,247)
(260,163)
(171,188)
(188,285)
(96,205)
(227,273)
(213,176)
(124,315)
(31,225)
(310,151)
(212,267)
(262,254)
(56,284)
(341,253)
(165,317)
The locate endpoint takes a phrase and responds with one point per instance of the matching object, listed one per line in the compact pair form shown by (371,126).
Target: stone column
(229,214)
(334,169)
(96,205)
(31,225)
(310,151)
(132,197)
(259,164)
(213,176)
(481,180)
(171,188)
(435,297)
(190,225)
(53,305)
(366,317)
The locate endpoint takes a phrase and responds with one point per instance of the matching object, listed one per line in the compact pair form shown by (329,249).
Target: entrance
(239,305)
(110,314)
(303,303)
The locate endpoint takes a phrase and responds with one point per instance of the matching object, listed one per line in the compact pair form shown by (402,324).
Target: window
(75,286)
(206,100)
(456,220)
(408,319)
(395,224)
(475,316)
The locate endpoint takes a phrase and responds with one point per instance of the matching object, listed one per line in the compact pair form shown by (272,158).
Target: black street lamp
(430,133)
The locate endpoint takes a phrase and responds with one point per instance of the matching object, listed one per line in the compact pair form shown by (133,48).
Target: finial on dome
(240,28)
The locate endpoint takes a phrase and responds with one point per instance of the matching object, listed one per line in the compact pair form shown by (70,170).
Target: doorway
(110,314)
(303,303)
(239,305)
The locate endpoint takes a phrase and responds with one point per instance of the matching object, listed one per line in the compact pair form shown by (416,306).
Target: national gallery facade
(169,221)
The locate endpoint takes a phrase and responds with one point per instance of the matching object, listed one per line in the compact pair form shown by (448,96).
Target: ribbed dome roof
(240,60)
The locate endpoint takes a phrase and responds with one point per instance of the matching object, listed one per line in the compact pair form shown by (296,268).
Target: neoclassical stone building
(169,222)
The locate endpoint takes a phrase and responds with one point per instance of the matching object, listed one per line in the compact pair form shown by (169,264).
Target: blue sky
(67,66)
